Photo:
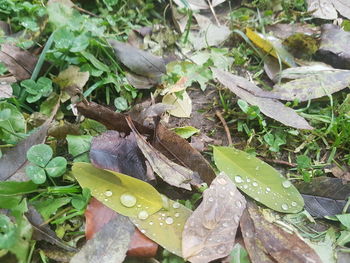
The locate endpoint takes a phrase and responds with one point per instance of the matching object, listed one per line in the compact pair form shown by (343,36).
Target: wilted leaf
(182,104)
(112,120)
(122,193)
(252,94)
(306,71)
(333,47)
(104,246)
(258,180)
(272,46)
(19,62)
(180,151)
(327,9)
(282,246)
(313,86)
(43,232)
(72,76)
(138,61)
(121,154)
(324,196)
(283,31)
(5,87)
(166,226)
(140,82)
(210,231)
(169,171)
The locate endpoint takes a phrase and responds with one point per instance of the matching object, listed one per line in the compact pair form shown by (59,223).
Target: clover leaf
(36,90)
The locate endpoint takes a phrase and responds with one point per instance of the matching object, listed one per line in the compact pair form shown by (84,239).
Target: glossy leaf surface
(258,180)
(110,187)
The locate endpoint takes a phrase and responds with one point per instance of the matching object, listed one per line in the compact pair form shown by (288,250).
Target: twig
(84,11)
(278,162)
(213,11)
(227,131)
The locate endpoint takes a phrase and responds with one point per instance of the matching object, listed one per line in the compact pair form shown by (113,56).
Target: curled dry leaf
(104,247)
(118,153)
(19,62)
(138,61)
(169,171)
(270,107)
(278,244)
(210,231)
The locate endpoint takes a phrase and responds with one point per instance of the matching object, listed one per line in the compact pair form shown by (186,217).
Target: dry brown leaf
(210,231)
(169,171)
(282,246)
(270,107)
(19,62)
(5,87)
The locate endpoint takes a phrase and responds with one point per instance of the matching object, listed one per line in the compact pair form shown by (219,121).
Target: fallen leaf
(72,76)
(118,153)
(182,104)
(283,31)
(180,151)
(140,82)
(210,231)
(340,172)
(19,62)
(122,193)
(166,226)
(43,232)
(282,246)
(198,4)
(111,119)
(306,71)
(258,180)
(333,46)
(97,215)
(327,9)
(313,86)
(104,246)
(138,61)
(5,87)
(270,107)
(272,46)
(324,195)
(169,171)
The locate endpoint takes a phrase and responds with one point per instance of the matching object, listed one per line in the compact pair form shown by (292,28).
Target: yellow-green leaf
(182,106)
(166,226)
(258,180)
(122,193)
(272,46)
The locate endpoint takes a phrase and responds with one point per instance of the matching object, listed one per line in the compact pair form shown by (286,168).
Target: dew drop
(255,184)
(143,215)
(106,200)
(245,186)
(143,231)
(177,214)
(268,189)
(224,224)
(236,218)
(210,199)
(176,205)
(169,220)
(161,224)
(238,179)
(151,223)
(239,204)
(221,250)
(138,206)
(108,193)
(285,207)
(286,184)
(221,181)
(294,204)
(232,193)
(248,180)
(128,200)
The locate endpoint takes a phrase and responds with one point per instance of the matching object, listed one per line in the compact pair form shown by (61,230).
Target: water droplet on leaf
(285,207)
(176,205)
(286,184)
(238,179)
(108,193)
(128,200)
(142,215)
(169,220)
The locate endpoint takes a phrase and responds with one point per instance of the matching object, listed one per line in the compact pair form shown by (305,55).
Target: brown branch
(227,131)
(280,162)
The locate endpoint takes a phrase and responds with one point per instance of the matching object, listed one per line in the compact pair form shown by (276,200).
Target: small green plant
(38,89)
(42,164)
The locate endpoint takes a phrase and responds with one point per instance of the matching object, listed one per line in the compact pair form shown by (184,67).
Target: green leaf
(303,162)
(47,207)
(15,123)
(239,255)
(56,167)
(40,154)
(79,145)
(258,180)
(36,174)
(166,226)
(7,232)
(121,103)
(13,188)
(112,188)
(186,131)
(94,61)
(344,220)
